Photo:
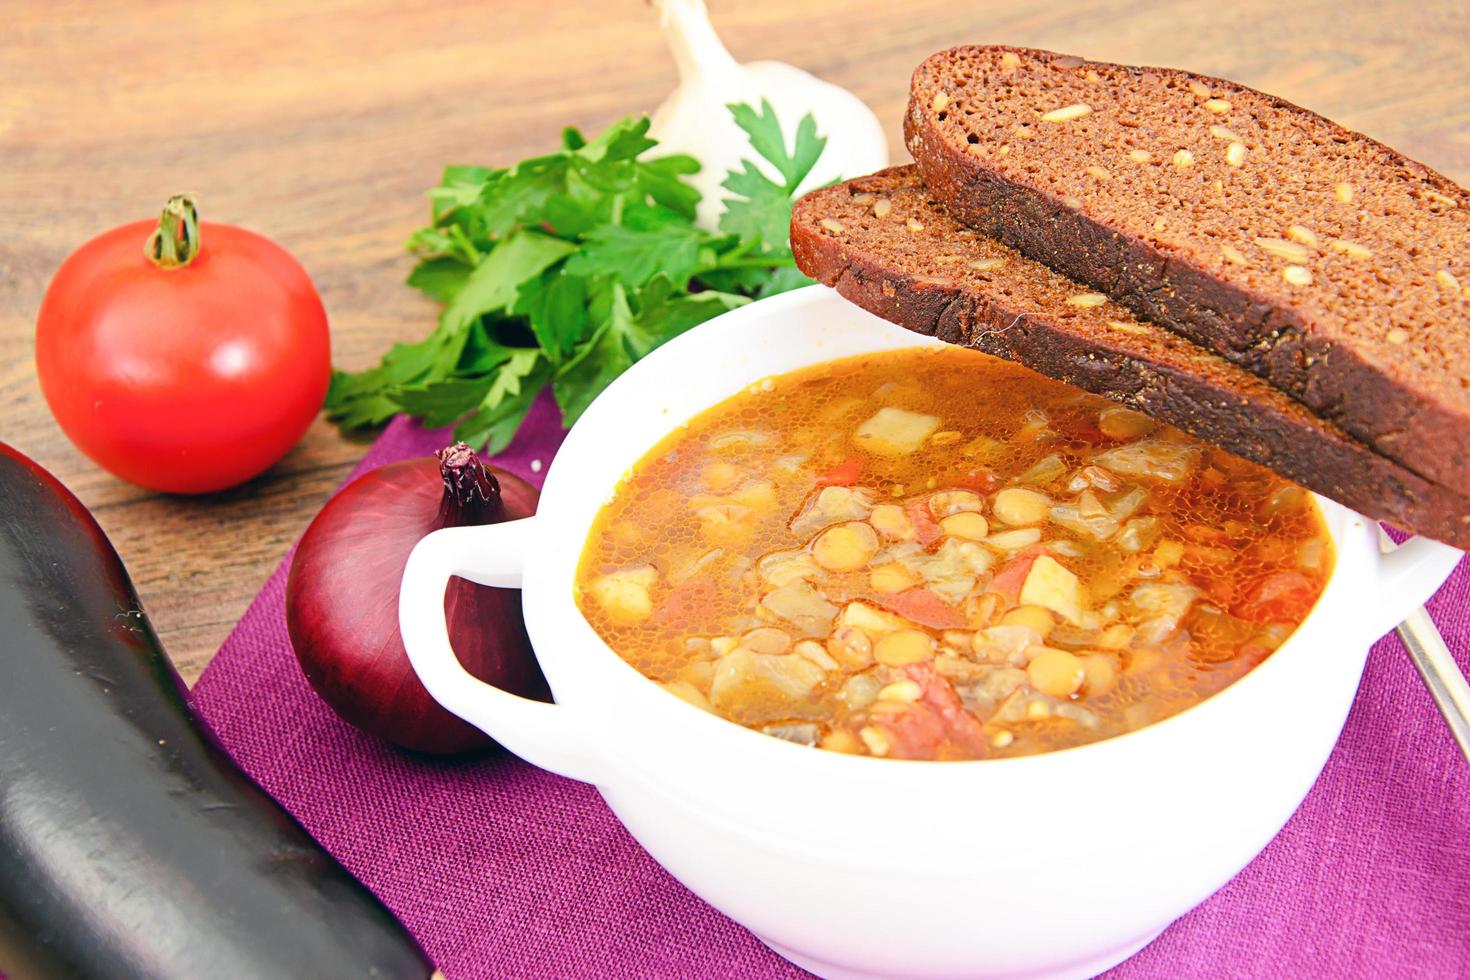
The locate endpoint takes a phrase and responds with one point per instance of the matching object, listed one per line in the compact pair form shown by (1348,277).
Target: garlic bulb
(694,118)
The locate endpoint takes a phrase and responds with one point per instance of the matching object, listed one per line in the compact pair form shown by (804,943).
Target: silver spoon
(1437,667)
(1440,672)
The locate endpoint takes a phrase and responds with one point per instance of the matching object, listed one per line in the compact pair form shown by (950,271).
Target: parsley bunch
(567,268)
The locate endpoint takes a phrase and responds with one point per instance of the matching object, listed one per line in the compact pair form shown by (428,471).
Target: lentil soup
(935,554)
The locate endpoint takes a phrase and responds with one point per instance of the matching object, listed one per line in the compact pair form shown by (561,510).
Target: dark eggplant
(130,844)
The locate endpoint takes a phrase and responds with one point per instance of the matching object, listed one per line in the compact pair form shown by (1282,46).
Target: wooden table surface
(321,124)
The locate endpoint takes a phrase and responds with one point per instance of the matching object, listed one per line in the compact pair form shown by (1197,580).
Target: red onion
(342,598)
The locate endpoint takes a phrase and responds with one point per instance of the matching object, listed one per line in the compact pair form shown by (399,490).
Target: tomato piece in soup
(935,726)
(981,481)
(1008,580)
(922,606)
(926,529)
(1283,596)
(844,474)
(688,602)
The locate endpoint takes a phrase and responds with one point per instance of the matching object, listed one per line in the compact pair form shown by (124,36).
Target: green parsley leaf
(659,179)
(596,364)
(761,208)
(765,138)
(565,269)
(440,277)
(640,248)
(444,402)
(494,427)
(760,211)
(782,280)
(491,287)
(555,303)
(665,311)
(366,398)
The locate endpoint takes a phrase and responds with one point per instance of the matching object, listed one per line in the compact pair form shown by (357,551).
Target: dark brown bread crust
(926,280)
(1383,355)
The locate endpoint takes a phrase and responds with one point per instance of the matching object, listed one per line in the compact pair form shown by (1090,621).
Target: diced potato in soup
(623,596)
(1051,585)
(986,564)
(895,431)
(743,676)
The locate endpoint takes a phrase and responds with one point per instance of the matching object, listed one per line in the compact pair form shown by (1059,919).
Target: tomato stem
(175,242)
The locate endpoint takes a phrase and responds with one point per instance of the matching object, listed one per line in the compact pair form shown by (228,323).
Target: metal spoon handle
(1441,674)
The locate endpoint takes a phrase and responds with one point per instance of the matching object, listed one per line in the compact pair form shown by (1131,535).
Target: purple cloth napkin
(502,870)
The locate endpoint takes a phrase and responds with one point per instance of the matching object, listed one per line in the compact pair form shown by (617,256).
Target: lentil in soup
(935,554)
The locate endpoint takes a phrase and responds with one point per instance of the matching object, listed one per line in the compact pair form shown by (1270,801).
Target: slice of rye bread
(1313,256)
(885,244)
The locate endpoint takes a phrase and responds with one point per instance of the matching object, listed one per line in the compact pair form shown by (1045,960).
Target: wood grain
(321,125)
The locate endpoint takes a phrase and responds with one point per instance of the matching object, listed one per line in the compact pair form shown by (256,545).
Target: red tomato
(186,379)
(844,474)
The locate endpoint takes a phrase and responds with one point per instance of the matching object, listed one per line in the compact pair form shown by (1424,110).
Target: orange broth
(935,554)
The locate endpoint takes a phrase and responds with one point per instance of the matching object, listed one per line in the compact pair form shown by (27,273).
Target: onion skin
(342,599)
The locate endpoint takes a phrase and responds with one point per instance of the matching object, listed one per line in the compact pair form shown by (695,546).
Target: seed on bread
(1351,249)
(1221,133)
(1397,335)
(1297,275)
(941,99)
(1447,281)
(1010,59)
(881,207)
(913,224)
(1071,202)
(1067,113)
(832,225)
(1126,327)
(1218,106)
(1233,255)
(1087,300)
(1140,156)
(1344,192)
(1183,158)
(1098,172)
(1283,249)
(1235,154)
(1200,89)
(1439,198)
(1302,235)
(985,265)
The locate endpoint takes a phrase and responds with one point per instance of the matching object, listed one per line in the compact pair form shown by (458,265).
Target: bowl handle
(546,735)
(1407,576)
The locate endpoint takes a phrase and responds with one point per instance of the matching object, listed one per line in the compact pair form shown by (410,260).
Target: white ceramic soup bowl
(1051,865)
